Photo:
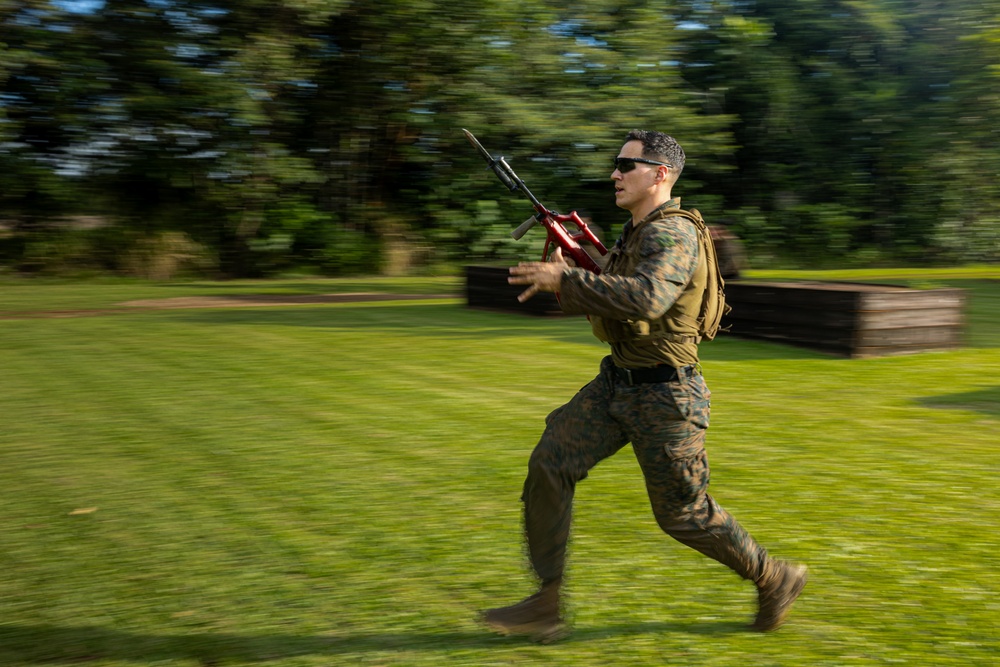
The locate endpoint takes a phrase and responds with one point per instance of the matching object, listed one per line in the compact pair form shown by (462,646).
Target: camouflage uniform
(664,421)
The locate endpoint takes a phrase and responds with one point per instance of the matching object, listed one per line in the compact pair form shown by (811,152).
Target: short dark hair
(659,146)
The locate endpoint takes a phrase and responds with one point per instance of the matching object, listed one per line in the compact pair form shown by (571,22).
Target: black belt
(634,376)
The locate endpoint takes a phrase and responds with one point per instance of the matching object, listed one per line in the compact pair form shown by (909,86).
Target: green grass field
(338,484)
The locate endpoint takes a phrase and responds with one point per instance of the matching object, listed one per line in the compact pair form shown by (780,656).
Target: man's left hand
(541,276)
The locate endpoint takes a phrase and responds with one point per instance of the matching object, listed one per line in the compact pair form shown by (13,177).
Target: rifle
(553,222)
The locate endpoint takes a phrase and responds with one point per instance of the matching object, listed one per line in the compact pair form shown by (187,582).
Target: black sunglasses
(627,164)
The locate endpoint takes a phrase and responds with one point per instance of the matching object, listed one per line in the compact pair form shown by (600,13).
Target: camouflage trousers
(665,422)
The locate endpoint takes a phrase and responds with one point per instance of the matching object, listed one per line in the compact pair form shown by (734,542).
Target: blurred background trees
(251,138)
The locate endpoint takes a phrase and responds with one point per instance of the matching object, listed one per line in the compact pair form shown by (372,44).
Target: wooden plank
(905,319)
(808,336)
(854,319)
(487,287)
(744,314)
(909,337)
(913,299)
(796,295)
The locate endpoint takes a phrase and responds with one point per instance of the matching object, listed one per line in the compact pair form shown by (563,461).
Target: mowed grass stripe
(195,459)
(338,485)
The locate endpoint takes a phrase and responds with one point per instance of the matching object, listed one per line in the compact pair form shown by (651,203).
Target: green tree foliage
(865,127)
(555,89)
(290,132)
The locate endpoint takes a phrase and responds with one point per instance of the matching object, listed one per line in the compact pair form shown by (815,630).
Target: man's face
(634,186)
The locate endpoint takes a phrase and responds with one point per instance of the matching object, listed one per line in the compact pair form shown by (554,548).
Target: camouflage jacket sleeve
(667,258)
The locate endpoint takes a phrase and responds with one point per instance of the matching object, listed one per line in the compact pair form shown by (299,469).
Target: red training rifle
(554,223)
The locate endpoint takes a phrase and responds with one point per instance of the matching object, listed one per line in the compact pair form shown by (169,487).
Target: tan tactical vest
(679,324)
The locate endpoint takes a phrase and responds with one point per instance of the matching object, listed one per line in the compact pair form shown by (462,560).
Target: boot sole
(540,633)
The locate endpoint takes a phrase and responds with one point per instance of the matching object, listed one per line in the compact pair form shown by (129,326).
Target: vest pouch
(640,328)
(608,330)
(679,329)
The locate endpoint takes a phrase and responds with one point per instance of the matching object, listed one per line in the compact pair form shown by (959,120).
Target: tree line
(255,137)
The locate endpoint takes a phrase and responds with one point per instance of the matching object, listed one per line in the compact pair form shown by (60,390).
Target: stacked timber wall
(487,287)
(849,319)
(852,319)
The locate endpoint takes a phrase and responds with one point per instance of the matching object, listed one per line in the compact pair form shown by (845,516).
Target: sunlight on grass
(338,485)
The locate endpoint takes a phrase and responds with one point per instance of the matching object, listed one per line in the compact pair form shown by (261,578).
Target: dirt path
(232,301)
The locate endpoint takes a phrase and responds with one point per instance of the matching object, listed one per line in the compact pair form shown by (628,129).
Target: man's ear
(669,175)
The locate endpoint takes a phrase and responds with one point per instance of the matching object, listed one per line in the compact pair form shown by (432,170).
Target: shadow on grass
(43,644)
(456,321)
(985,401)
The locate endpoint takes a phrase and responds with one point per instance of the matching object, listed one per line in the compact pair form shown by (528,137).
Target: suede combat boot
(777,589)
(536,617)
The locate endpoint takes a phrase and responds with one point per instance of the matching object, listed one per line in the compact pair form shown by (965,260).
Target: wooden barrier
(487,287)
(851,319)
